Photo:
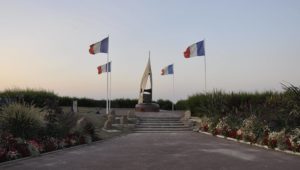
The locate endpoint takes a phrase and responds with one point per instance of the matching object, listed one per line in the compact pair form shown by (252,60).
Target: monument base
(147,107)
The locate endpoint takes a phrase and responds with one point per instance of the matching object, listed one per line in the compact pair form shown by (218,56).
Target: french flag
(104,68)
(196,49)
(167,70)
(99,47)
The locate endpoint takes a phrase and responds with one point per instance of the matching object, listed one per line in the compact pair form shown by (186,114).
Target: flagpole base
(147,107)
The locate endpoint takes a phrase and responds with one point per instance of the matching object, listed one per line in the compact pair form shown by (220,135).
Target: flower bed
(248,132)
(13,148)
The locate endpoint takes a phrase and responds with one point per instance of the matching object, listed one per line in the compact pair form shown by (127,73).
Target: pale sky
(250,45)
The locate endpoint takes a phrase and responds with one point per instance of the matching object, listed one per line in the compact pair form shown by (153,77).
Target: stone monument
(145,103)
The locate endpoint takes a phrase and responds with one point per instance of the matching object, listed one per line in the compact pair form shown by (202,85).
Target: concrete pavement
(178,150)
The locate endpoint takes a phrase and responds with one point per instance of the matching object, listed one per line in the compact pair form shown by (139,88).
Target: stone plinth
(147,107)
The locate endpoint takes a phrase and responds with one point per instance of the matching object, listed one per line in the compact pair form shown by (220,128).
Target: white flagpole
(204,65)
(173,90)
(110,88)
(107,60)
(109,102)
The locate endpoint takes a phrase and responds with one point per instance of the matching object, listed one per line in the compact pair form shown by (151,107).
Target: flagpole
(107,60)
(173,90)
(109,102)
(205,67)
(110,87)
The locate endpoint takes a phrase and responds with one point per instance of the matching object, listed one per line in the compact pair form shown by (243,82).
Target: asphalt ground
(162,151)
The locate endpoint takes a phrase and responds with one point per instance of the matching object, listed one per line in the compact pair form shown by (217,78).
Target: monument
(145,103)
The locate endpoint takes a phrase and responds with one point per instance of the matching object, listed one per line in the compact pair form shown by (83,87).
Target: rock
(123,120)
(108,123)
(112,116)
(187,115)
(130,114)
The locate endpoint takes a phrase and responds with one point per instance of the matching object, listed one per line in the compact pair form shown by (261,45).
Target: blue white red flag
(167,70)
(104,68)
(99,47)
(196,49)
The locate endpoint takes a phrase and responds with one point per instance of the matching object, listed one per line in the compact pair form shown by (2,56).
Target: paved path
(163,151)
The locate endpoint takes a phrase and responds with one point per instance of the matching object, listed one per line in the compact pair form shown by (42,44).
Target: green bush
(40,98)
(60,125)
(273,109)
(22,120)
(164,104)
(85,102)
(181,105)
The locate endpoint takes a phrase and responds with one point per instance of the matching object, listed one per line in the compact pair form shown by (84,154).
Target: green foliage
(40,98)
(124,103)
(22,120)
(181,105)
(60,124)
(85,102)
(273,109)
(209,104)
(164,104)
(48,99)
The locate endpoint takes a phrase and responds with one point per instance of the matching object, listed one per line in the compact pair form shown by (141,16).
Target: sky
(250,45)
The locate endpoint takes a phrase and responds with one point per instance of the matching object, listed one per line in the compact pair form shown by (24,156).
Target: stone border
(60,150)
(254,144)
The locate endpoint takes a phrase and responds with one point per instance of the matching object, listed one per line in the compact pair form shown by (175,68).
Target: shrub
(273,139)
(281,139)
(39,98)
(204,123)
(3,152)
(165,104)
(34,148)
(181,105)
(295,139)
(22,120)
(248,128)
(59,124)
(222,126)
(50,144)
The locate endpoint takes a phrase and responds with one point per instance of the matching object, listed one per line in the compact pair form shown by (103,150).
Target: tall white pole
(109,101)
(110,87)
(173,90)
(204,66)
(107,60)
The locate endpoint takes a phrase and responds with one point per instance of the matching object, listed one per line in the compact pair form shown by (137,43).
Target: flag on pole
(99,47)
(196,49)
(104,68)
(167,70)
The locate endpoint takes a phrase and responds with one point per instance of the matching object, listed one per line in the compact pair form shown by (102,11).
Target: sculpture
(145,97)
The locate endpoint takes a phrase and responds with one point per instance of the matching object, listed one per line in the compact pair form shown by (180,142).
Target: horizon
(250,46)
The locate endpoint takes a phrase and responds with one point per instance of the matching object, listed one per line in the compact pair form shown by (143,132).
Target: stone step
(185,131)
(162,129)
(159,120)
(160,126)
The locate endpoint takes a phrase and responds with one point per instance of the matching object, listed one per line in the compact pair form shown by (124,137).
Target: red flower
(205,128)
(3,152)
(273,143)
(288,143)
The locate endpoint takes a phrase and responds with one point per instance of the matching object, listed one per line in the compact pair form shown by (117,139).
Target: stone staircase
(161,124)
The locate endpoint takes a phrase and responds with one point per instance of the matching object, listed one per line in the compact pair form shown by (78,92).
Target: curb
(254,144)
(60,150)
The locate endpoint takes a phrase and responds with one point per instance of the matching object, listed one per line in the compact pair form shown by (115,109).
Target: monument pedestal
(147,107)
